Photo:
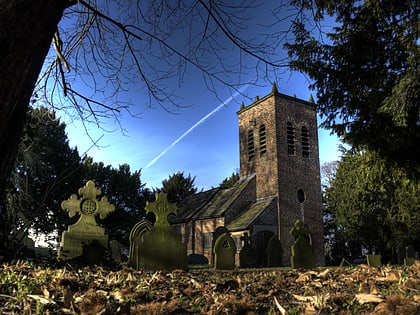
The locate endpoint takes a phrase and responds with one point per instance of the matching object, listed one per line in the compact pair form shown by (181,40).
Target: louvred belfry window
(251,148)
(263,140)
(305,142)
(290,139)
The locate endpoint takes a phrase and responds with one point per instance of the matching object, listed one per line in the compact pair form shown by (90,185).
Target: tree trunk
(26,31)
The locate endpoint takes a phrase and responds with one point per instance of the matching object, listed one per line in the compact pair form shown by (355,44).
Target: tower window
(263,141)
(305,142)
(251,149)
(301,196)
(290,139)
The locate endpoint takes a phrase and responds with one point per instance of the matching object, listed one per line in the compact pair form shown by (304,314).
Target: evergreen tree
(376,204)
(46,170)
(178,187)
(365,72)
(228,182)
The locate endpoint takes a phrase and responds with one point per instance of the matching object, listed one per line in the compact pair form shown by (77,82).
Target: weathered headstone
(162,248)
(410,254)
(274,252)
(401,253)
(224,252)
(136,238)
(85,234)
(115,248)
(197,259)
(302,255)
(373,260)
(247,255)
(216,233)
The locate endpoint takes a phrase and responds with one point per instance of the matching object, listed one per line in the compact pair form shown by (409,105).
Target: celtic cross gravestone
(161,248)
(85,231)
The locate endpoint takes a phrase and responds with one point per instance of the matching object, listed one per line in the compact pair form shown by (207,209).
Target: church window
(305,142)
(251,149)
(290,139)
(301,196)
(263,141)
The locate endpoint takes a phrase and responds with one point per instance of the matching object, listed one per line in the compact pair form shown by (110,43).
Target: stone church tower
(278,140)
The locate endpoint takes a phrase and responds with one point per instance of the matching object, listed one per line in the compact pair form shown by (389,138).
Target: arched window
(263,140)
(305,142)
(251,149)
(290,139)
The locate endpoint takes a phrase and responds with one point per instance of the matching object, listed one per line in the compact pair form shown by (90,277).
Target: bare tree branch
(111,49)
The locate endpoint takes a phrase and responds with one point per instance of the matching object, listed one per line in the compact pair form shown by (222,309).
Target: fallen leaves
(28,289)
(363,298)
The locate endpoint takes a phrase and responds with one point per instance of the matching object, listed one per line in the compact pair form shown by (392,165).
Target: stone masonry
(279,143)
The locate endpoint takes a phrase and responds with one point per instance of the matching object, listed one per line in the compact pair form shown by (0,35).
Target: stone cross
(161,248)
(161,208)
(88,206)
(85,231)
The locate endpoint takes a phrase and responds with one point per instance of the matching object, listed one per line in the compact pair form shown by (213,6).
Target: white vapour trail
(198,123)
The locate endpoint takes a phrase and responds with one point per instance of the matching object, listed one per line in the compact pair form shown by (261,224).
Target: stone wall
(195,232)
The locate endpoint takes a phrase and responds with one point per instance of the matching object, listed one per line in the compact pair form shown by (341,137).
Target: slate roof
(211,203)
(245,220)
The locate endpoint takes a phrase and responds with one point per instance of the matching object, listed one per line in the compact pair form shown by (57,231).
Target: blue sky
(209,151)
(191,139)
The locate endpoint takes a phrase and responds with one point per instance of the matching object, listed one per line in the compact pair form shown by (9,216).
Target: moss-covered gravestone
(302,255)
(136,238)
(85,236)
(224,252)
(115,248)
(216,233)
(373,260)
(274,252)
(161,248)
(410,258)
(247,255)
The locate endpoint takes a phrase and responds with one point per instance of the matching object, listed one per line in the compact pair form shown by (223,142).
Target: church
(279,183)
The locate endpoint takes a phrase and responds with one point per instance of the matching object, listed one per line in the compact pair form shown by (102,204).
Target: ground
(28,288)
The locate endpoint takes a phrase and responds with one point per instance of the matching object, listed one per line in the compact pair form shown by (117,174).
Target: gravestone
(197,259)
(373,260)
(216,233)
(247,255)
(115,248)
(84,237)
(161,247)
(410,256)
(136,238)
(274,252)
(401,254)
(302,255)
(224,252)
(410,252)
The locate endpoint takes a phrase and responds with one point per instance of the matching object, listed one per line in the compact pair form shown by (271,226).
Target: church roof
(211,203)
(245,220)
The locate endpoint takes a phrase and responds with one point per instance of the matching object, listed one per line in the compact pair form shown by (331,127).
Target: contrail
(198,123)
